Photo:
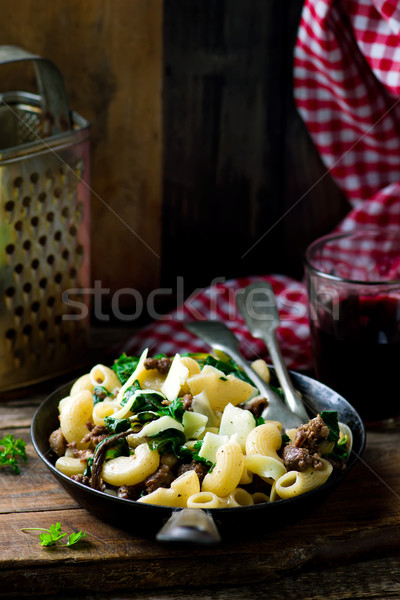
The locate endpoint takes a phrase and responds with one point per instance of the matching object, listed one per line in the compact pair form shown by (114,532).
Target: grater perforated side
(44,240)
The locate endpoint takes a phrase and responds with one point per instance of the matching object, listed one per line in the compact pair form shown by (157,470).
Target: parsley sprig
(51,536)
(10,450)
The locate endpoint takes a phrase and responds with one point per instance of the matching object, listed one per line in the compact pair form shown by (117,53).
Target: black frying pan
(197,525)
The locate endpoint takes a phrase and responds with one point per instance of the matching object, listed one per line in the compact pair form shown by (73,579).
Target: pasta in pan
(187,431)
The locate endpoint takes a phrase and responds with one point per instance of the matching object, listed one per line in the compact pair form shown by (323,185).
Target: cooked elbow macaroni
(180,435)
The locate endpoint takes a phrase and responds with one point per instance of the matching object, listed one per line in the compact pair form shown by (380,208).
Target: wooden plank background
(110,55)
(323,555)
(239,169)
(201,167)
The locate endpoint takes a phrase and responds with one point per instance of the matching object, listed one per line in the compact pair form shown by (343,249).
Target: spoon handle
(257,305)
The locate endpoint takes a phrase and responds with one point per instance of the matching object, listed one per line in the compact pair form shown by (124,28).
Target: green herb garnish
(75,537)
(51,536)
(10,450)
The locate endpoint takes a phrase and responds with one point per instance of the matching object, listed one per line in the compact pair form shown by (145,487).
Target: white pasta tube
(239,497)
(220,389)
(102,410)
(205,500)
(226,474)
(294,483)
(130,470)
(266,467)
(273,496)
(70,466)
(178,494)
(265,439)
(83,383)
(346,431)
(247,476)
(104,376)
(260,498)
(194,369)
(262,370)
(291,433)
(75,412)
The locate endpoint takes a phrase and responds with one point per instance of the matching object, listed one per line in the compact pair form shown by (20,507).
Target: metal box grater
(44,229)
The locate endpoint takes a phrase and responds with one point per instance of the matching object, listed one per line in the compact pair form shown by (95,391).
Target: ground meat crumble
(161,364)
(303,451)
(187,401)
(256,405)
(96,434)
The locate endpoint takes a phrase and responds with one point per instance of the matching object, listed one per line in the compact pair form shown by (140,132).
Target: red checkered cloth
(347,90)
(217,302)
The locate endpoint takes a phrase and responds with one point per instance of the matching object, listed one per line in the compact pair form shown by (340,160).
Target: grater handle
(51,88)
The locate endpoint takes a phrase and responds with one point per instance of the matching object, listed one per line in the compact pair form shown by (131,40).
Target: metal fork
(219,336)
(257,305)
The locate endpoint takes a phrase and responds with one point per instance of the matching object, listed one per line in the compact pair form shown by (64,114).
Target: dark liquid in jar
(358,354)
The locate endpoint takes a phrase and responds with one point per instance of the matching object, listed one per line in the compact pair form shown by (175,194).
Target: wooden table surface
(349,547)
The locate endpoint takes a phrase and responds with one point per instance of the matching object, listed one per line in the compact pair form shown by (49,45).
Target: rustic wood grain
(219,184)
(110,55)
(357,530)
(34,487)
(195,140)
(338,584)
(243,185)
(353,536)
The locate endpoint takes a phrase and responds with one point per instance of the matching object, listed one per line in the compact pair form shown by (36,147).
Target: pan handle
(190,525)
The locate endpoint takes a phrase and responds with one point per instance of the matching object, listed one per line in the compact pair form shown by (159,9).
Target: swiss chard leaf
(174,410)
(132,389)
(115,425)
(124,366)
(118,450)
(227,367)
(330,418)
(146,416)
(100,393)
(148,401)
(340,450)
(169,440)
(88,470)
